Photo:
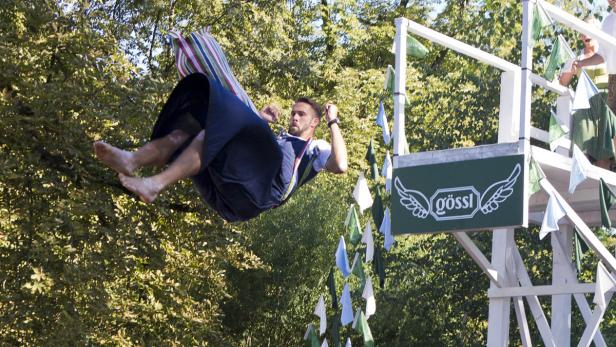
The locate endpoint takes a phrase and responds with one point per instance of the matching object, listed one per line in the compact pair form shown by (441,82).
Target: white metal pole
(503,239)
(579,25)
(561,266)
(526,64)
(499,308)
(399,88)
(460,47)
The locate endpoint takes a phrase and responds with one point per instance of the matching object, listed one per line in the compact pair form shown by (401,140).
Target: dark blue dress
(245,168)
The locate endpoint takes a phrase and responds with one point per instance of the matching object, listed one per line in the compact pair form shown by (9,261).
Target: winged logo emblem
(498,192)
(492,198)
(413,200)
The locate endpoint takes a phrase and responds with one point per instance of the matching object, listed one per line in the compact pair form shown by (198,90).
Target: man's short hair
(314,105)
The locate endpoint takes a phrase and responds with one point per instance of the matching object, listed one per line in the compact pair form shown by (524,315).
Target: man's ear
(315,122)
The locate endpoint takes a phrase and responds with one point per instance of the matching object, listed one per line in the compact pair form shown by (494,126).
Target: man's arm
(337,161)
(596,59)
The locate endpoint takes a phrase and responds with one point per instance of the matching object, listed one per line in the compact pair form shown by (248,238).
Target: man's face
(303,120)
(612,4)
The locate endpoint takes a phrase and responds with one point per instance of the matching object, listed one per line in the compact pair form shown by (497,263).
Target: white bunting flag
(385,229)
(386,172)
(368,295)
(361,193)
(553,213)
(369,241)
(324,344)
(342,260)
(381,114)
(604,283)
(321,312)
(389,241)
(386,134)
(579,168)
(585,90)
(347,306)
(381,120)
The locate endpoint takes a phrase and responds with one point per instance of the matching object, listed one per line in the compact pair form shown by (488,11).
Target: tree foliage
(85,263)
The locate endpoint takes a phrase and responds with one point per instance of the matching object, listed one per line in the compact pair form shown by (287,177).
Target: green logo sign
(473,194)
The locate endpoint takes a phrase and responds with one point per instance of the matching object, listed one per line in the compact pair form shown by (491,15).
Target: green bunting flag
(371,158)
(378,266)
(583,245)
(361,326)
(334,329)
(607,198)
(556,131)
(353,225)
(560,54)
(358,270)
(311,337)
(414,48)
(389,79)
(540,20)
(578,252)
(535,175)
(377,208)
(331,286)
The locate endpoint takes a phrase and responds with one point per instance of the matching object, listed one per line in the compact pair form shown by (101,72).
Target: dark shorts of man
(241,160)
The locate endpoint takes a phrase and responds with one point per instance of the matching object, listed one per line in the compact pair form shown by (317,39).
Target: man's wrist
(332,122)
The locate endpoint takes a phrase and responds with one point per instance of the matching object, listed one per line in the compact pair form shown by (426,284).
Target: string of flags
(587,96)
(555,211)
(585,91)
(367,250)
(362,195)
(560,53)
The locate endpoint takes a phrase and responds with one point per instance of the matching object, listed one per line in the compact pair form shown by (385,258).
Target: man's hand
(331,112)
(270,113)
(337,161)
(577,64)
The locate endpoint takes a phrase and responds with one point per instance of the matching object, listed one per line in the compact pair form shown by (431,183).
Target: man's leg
(186,165)
(155,153)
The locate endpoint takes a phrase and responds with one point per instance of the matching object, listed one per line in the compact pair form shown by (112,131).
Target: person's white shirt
(609,53)
(322,149)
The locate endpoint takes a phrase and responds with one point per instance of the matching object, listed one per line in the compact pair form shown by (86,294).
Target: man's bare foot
(146,187)
(119,160)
